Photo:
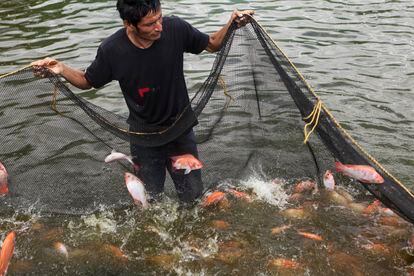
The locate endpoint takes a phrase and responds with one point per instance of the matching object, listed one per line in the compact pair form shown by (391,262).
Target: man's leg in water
(188,186)
(152,162)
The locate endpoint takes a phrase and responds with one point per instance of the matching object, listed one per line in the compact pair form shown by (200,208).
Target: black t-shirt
(152,79)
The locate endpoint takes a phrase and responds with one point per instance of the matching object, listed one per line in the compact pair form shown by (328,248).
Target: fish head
(328,175)
(128,177)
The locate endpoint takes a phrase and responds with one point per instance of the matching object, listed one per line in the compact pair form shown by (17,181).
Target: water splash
(272,192)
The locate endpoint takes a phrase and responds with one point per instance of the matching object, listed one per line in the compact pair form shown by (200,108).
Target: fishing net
(252,112)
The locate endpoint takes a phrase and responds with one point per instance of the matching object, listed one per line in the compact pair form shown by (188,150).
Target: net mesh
(252,111)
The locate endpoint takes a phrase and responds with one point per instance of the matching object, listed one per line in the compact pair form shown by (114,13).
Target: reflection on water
(357,55)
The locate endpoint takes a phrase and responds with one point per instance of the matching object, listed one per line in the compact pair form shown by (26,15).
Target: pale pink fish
(186,162)
(136,189)
(61,249)
(363,173)
(117,156)
(4,185)
(6,252)
(329,181)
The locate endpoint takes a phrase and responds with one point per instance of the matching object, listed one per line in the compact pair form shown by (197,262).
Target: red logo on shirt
(142,91)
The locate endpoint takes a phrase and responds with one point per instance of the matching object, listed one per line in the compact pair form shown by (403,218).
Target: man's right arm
(75,76)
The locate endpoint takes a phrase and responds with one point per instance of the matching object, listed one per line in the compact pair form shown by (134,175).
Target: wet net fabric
(251,112)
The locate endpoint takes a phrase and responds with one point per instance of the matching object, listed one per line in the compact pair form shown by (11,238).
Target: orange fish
(213,198)
(115,251)
(280,229)
(239,194)
(373,207)
(4,186)
(310,236)
(61,249)
(363,173)
(220,224)
(296,197)
(284,263)
(304,186)
(7,252)
(186,162)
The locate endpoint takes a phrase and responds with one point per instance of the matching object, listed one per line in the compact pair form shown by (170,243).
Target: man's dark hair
(134,10)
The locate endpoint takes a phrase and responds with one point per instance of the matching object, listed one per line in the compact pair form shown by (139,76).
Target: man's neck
(137,41)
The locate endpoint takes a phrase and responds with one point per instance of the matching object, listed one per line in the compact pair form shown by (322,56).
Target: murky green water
(358,55)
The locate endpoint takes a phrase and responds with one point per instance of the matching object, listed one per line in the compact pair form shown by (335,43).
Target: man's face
(150,26)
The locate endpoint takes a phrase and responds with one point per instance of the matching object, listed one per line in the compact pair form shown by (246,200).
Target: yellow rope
(15,72)
(329,114)
(223,85)
(315,114)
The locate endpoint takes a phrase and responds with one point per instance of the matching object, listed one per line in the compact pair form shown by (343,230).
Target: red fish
(373,207)
(310,236)
(186,162)
(363,173)
(304,186)
(7,252)
(213,198)
(4,186)
(329,181)
(240,195)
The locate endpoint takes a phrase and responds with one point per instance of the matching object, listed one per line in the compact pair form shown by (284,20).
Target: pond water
(359,59)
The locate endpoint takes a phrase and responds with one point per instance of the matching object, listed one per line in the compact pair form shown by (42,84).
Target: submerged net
(252,112)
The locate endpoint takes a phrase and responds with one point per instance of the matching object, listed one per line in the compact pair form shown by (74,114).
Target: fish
(240,195)
(61,249)
(337,198)
(295,213)
(296,197)
(284,263)
(186,162)
(377,248)
(362,173)
(115,252)
(304,186)
(7,252)
(310,236)
(373,207)
(220,224)
(329,181)
(213,198)
(117,156)
(4,185)
(280,229)
(136,189)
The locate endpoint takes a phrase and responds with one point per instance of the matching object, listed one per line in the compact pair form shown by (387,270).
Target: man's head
(133,11)
(142,17)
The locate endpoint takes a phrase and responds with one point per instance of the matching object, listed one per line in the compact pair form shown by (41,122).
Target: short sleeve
(99,72)
(195,41)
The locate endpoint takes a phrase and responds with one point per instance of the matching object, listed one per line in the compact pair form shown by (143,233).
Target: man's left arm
(215,40)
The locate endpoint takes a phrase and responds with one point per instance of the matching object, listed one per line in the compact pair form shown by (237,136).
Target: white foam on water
(104,222)
(272,192)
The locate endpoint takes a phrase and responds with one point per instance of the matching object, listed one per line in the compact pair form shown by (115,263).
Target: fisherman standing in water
(146,58)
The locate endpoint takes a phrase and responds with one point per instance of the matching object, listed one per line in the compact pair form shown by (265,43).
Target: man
(146,58)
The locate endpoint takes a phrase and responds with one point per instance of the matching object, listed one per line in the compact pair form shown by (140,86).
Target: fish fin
(129,158)
(187,171)
(338,166)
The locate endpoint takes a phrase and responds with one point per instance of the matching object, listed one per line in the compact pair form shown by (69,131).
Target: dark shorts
(154,161)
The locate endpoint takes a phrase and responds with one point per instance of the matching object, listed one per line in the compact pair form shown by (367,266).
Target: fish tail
(339,166)
(4,189)
(7,252)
